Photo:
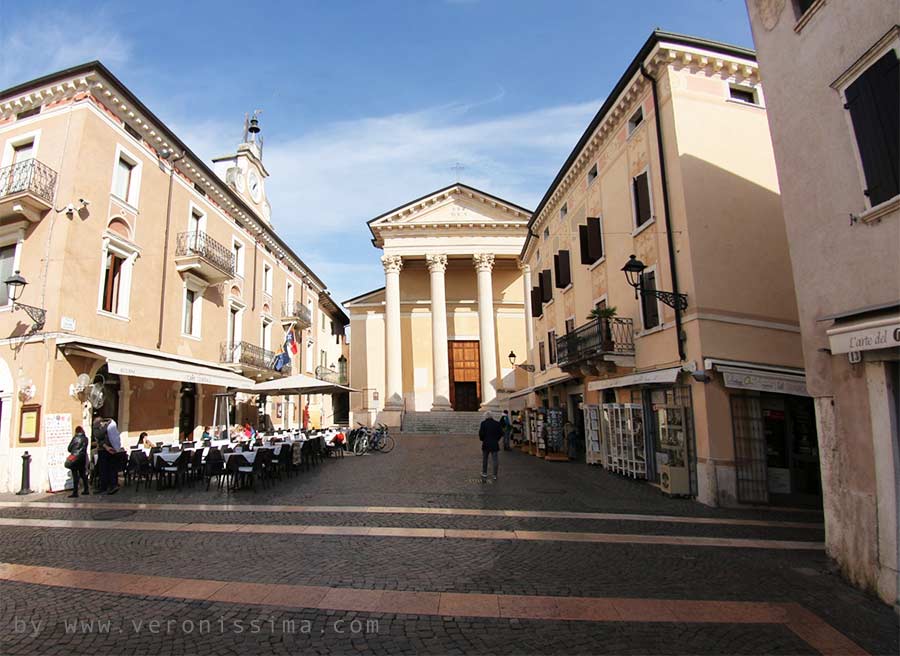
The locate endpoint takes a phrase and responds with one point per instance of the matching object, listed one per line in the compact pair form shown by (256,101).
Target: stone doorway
(465,375)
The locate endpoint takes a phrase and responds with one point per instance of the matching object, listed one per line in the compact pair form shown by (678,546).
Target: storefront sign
(29,423)
(57,435)
(763,382)
(865,339)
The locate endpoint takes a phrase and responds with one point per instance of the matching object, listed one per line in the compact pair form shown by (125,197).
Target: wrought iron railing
(297,311)
(331,376)
(200,243)
(254,356)
(30,176)
(615,336)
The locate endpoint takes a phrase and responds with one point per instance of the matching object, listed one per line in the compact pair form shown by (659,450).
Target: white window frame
(596,170)
(289,294)
(755,89)
(13,234)
(309,355)
(134,187)
(196,209)
(129,252)
(239,260)
(659,326)
(20,140)
(197,286)
(265,334)
(238,336)
(636,230)
(602,297)
(632,126)
(890,41)
(267,279)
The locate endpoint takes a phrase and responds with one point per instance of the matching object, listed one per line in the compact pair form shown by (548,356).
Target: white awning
(535,388)
(125,363)
(746,375)
(296,384)
(658,376)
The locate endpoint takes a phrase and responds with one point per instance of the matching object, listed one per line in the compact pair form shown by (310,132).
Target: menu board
(57,435)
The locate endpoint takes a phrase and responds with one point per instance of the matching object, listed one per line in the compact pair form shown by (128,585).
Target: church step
(442,422)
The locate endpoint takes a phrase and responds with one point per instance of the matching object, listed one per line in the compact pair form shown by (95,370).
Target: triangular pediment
(456,205)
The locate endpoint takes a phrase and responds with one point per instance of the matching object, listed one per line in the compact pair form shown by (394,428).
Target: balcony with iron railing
(296,313)
(27,189)
(254,359)
(599,340)
(202,255)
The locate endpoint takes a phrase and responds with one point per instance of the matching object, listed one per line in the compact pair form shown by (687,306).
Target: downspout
(255,265)
(665,194)
(165,261)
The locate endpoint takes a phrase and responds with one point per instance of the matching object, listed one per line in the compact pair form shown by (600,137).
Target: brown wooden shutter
(546,286)
(563,269)
(595,238)
(874,104)
(583,243)
(642,199)
(537,307)
(649,307)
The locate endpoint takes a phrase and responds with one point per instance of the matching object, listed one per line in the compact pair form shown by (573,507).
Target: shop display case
(595,449)
(626,450)
(674,476)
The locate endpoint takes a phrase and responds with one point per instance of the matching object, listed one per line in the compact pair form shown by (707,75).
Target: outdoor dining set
(233,465)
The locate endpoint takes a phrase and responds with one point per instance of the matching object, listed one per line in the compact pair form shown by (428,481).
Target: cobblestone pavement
(37,614)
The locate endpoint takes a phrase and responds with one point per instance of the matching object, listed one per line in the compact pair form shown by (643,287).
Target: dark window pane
(595,238)
(583,241)
(641,199)
(649,307)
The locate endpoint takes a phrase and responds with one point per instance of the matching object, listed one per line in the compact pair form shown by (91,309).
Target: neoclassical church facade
(438,335)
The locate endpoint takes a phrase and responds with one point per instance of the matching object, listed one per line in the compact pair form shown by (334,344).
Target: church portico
(451,305)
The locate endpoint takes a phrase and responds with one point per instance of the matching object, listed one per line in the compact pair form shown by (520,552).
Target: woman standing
(78,448)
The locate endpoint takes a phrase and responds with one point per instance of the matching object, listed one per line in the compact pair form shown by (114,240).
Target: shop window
(563,269)
(873,100)
(649,303)
(551,346)
(640,188)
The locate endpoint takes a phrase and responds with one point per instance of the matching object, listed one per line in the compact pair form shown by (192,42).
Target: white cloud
(48,41)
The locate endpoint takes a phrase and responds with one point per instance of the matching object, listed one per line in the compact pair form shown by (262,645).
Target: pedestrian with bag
(76,461)
(489,433)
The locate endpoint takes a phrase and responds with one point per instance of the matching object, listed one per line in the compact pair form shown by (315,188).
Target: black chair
(175,472)
(214,467)
(195,466)
(233,466)
(142,469)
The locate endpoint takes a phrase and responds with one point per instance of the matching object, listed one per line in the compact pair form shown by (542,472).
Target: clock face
(255,185)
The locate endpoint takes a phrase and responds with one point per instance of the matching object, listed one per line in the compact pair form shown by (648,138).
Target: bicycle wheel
(362,445)
(387,444)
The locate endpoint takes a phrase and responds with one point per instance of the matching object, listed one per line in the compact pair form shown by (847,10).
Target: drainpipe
(665,194)
(165,260)
(255,264)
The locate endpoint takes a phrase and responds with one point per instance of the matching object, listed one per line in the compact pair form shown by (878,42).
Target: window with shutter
(551,346)
(874,104)
(649,304)
(537,309)
(583,243)
(546,286)
(641,192)
(541,358)
(564,277)
(595,238)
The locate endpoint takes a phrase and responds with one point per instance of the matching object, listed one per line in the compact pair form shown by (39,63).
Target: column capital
(436,263)
(392,263)
(483,261)
(524,267)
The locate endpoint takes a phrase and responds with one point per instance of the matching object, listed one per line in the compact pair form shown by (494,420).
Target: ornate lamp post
(634,273)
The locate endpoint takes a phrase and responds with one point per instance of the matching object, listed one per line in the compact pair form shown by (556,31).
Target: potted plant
(603,317)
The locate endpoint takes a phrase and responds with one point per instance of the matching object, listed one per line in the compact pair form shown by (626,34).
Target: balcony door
(465,375)
(234,333)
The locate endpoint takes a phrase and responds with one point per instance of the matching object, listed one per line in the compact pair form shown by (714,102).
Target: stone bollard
(26,474)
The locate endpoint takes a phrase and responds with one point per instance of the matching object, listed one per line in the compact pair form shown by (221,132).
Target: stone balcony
(200,254)
(26,190)
(597,346)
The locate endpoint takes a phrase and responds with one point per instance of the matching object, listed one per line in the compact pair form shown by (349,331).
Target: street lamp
(512,361)
(634,273)
(16,286)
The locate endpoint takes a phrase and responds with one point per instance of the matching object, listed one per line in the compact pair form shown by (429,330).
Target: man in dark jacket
(490,434)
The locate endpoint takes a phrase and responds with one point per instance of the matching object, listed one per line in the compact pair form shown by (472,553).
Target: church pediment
(454,208)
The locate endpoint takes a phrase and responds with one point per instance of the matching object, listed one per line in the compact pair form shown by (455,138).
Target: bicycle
(365,439)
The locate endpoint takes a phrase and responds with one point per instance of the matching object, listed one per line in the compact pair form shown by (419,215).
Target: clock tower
(244,171)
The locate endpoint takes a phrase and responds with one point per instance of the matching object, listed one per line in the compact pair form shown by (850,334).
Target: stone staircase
(444,422)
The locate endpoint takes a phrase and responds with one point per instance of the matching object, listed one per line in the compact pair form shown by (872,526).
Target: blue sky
(365,104)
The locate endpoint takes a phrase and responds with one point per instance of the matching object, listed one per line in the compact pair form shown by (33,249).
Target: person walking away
(489,433)
(78,448)
(506,426)
(100,441)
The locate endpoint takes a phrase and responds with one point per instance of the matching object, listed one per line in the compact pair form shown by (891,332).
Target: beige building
(436,336)
(831,70)
(695,382)
(155,282)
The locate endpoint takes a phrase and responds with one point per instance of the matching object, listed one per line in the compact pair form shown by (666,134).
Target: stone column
(484,263)
(529,322)
(393,357)
(437,265)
